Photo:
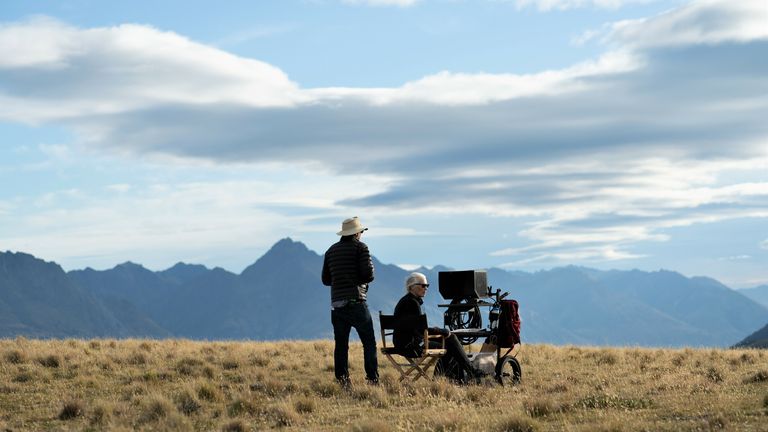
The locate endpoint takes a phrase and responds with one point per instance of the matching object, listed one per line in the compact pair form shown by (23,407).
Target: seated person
(409,340)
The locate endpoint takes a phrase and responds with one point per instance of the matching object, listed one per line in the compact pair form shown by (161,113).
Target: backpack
(509,324)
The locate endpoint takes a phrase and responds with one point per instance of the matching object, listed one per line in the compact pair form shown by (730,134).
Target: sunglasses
(424,285)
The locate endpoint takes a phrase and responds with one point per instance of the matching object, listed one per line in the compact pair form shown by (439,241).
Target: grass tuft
(71,410)
(517,423)
(284,414)
(50,361)
(100,415)
(155,409)
(372,426)
(242,405)
(603,401)
(541,407)
(305,405)
(207,392)
(758,377)
(325,389)
(15,357)
(235,426)
(187,403)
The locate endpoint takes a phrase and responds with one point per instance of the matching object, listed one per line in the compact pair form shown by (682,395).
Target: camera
(464,284)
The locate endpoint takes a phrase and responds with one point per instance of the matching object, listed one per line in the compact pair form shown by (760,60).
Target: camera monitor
(463,284)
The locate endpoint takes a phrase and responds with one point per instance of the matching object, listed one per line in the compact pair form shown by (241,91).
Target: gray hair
(413,279)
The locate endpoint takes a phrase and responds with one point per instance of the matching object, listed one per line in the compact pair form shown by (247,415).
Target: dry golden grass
(179,385)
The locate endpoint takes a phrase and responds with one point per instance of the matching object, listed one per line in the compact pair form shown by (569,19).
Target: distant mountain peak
(285,250)
(182,266)
(129,265)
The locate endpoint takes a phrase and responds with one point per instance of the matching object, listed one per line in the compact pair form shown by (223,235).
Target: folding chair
(417,365)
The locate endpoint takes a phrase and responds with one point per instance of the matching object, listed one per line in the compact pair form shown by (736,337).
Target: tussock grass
(178,385)
(71,410)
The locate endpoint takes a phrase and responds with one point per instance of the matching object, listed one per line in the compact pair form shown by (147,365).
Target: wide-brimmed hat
(351,226)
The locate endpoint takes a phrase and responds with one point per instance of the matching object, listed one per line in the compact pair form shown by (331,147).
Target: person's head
(352,227)
(416,284)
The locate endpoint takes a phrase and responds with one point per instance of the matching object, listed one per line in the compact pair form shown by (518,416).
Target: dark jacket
(347,269)
(408,338)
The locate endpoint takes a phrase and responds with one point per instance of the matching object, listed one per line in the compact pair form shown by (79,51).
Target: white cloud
(699,22)
(127,67)
(548,5)
(764,244)
(179,218)
(399,3)
(599,156)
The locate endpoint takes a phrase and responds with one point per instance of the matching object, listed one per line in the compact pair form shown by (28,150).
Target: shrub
(71,410)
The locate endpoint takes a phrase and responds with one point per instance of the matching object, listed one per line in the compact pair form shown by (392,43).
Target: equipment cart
(468,291)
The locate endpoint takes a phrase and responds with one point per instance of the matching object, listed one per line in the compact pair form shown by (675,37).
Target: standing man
(348,269)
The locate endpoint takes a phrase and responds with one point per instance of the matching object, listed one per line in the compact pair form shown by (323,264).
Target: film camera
(464,289)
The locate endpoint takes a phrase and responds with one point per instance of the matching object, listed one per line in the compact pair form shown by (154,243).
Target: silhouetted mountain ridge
(280,296)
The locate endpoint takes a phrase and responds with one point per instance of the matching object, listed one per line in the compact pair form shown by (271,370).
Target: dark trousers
(454,349)
(353,315)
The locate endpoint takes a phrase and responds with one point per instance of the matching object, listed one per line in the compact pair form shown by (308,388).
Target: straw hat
(351,226)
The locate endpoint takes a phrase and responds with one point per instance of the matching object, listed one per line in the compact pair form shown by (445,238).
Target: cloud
(702,22)
(399,3)
(57,71)
(666,129)
(764,244)
(549,5)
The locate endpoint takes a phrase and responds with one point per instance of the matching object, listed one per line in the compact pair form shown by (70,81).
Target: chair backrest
(388,324)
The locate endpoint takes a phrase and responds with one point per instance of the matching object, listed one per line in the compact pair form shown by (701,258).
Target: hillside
(280,296)
(38,299)
(183,385)
(758,339)
(758,294)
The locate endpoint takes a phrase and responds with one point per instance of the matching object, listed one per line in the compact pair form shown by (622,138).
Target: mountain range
(280,297)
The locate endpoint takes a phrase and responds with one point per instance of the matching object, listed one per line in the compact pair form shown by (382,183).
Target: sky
(519,134)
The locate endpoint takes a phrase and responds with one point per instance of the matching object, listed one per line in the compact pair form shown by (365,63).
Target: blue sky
(522,134)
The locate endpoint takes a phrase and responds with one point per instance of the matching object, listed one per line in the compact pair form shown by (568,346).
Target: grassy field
(242,386)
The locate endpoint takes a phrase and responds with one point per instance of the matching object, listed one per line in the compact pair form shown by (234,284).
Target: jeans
(344,318)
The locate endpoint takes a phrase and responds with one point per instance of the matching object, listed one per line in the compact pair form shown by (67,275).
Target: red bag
(509,324)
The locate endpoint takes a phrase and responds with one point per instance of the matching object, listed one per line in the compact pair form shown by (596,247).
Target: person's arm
(326,275)
(365,264)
